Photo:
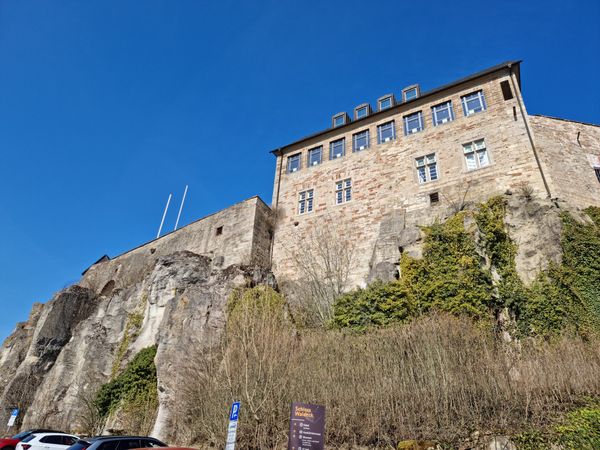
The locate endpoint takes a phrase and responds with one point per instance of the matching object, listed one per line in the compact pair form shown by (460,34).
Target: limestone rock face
(53,363)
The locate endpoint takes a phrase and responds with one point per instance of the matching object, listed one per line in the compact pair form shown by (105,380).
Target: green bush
(136,382)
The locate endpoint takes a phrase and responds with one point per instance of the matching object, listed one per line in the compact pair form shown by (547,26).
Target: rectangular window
(427,168)
(343,191)
(339,119)
(473,103)
(361,111)
(337,148)
(385,102)
(476,155)
(360,141)
(293,163)
(386,132)
(315,156)
(413,123)
(305,201)
(434,197)
(506,90)
(442,113)
(597,174)
(410,92)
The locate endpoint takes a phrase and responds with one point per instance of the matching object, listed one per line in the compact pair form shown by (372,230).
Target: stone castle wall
(388,201)
(239,234)
(568,150)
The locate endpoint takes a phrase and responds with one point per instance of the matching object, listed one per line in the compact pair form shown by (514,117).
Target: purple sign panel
(307,427)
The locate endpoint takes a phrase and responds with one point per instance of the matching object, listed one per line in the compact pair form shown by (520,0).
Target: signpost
(307,427)
(232,428)
(13,417)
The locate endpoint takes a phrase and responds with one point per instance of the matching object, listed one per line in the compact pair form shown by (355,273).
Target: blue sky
(108,106)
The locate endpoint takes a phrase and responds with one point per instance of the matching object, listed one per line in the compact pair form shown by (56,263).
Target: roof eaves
(482,73)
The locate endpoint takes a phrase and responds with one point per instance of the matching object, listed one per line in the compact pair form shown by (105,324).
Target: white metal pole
(181,207)
(163,217)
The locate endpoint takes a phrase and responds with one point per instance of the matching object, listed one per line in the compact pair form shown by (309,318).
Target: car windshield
(21,435)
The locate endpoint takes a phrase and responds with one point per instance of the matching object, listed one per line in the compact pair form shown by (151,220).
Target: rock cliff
(52,364)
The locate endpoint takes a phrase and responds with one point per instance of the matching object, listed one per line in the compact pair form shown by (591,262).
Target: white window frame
(361,108)
(355,147)
(339,116)
(414,88)
(473,95)
(306,201)
(343,191)
(445,106)
(385,126)
(425,165)
(311,152)
(294,157)
(419,116)
(331,145)
(476,155)
(389,98)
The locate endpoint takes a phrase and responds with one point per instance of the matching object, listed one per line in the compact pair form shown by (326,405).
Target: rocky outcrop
(54,363)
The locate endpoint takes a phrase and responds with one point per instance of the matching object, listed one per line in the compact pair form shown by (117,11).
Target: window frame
(411,88)
(306,201)
(597,172)
(391,123)
(389,97)
(343,116)
(362,107)
(355,148)
(465,99)
(427,165)
(295,156)
(343,191)
(434,113)
(309,162)
(406,118)
(331,144)
(475,151)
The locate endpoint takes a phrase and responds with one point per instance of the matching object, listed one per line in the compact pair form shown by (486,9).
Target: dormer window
(340,119)
(362,111)
(293,163)
(411,92)
(385,102)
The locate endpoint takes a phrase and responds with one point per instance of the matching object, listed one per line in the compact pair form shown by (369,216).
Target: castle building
(373,177)
(375,174)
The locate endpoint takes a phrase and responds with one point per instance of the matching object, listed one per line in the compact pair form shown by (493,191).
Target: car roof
(52,433)
(98,438)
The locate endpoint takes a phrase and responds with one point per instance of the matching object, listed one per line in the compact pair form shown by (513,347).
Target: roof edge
(507,64)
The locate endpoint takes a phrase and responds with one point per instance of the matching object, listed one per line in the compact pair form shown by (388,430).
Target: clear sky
(108,106)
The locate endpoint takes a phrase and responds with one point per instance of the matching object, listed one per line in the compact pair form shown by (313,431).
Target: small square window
(315,156)
(386,132)
(476,155)
(385,102)
(305,201)
(411,92)
(362,111)
(434,197)
(442,113)
(219,231)
(427,168)
(413,123)
(340,119)
(293,163)
(473,103)
(360,141)
(343,191)
(337,148)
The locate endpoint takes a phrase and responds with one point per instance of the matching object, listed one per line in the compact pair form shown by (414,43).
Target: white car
(47,441)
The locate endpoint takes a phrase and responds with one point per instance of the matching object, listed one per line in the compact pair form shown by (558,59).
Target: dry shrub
(439,377)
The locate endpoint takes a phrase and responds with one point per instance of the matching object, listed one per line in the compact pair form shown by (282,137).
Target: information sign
(307,427)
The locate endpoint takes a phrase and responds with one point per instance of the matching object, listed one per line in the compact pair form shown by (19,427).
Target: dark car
(11,443)
(116,443)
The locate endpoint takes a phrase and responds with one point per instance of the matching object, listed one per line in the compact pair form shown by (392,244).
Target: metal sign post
(13,417)
(232,428)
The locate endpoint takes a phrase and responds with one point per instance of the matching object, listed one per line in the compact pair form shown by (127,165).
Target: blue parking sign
(235,411)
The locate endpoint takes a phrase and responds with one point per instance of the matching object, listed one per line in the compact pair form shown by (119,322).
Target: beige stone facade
(388,201)
(240,234)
